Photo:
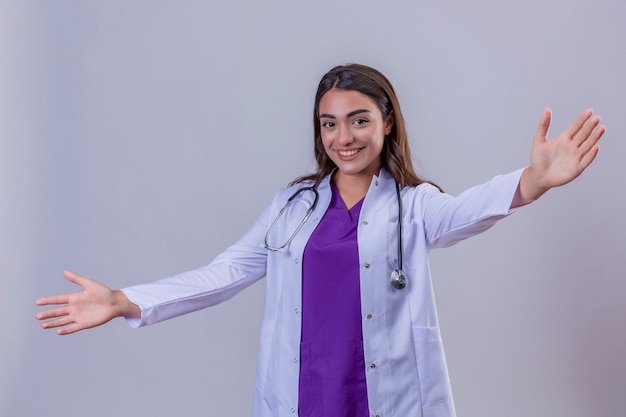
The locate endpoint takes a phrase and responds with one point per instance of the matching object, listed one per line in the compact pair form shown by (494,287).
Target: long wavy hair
(396,154)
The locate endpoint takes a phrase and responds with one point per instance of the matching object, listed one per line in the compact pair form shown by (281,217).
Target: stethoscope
(398,278)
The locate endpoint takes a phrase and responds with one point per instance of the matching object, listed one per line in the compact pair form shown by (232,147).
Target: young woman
(349,327)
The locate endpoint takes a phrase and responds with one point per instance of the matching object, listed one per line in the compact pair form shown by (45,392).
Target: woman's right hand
(96,304)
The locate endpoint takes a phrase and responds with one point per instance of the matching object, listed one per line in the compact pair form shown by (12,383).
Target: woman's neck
(352,188)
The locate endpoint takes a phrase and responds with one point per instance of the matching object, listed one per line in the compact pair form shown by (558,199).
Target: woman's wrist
(530,187)
(124,306)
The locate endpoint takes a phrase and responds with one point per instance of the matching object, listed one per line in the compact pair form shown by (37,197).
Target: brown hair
(396,154)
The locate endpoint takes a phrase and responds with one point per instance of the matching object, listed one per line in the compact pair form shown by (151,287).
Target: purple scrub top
(332,367)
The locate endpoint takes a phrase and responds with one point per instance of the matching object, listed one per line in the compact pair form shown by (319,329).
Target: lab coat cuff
(134,322)
(516,175)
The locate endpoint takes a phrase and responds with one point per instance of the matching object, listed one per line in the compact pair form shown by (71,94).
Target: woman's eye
(360,121)
(328,124)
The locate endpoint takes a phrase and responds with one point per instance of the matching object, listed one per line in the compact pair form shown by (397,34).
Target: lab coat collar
(381,190)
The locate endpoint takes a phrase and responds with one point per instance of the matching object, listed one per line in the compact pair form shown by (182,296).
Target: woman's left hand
(557,161)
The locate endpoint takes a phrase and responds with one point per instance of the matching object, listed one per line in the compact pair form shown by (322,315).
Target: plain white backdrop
(140,138)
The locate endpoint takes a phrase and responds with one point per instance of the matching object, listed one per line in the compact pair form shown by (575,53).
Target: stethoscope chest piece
(398,279)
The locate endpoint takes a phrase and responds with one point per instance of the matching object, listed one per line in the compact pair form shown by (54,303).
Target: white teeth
(348,153)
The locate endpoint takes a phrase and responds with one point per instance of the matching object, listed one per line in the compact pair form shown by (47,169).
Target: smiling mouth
(349,153)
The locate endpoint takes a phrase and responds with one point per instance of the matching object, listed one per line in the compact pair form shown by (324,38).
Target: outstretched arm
(96,304)
(558,161)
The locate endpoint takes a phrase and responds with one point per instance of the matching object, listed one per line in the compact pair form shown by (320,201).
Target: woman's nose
(345,135)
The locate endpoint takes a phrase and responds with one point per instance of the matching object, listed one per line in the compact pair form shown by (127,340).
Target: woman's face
(353,132)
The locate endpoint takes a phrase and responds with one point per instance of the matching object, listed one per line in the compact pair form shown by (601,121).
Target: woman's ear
(389,122)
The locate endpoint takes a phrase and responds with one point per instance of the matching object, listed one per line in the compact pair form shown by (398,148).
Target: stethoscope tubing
(398,279)
(399,227)
(280,213)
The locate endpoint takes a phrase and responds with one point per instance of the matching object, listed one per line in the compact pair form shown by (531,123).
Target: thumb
(75,278)
(544,125)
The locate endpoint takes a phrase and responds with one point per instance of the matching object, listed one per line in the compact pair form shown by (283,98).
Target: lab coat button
(367,266)
(373,366)
(293,410)
(364,223)
(296,261)
(295,310)
(295,360)
(369,316)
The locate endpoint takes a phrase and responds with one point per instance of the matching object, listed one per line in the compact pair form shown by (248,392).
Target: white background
(140,138)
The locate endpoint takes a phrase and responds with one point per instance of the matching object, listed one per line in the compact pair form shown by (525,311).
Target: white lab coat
(405,365)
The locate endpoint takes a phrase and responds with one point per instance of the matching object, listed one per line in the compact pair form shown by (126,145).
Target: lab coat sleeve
(229,273)
(448,219)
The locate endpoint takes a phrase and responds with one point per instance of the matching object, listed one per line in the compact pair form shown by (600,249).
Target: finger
(578,123)
(588,158)
(53,299)
(64,298)
(586,130)
(592,138)
(63,321)
(544,125)
(55,312)
(69,329)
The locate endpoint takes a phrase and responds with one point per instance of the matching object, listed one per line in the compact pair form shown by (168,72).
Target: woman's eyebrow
(358,111)
(352,113)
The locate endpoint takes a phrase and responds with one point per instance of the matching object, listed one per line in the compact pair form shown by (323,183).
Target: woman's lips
(348,154)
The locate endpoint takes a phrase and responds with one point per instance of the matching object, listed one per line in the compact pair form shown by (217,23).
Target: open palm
(558,161)
(91,307)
